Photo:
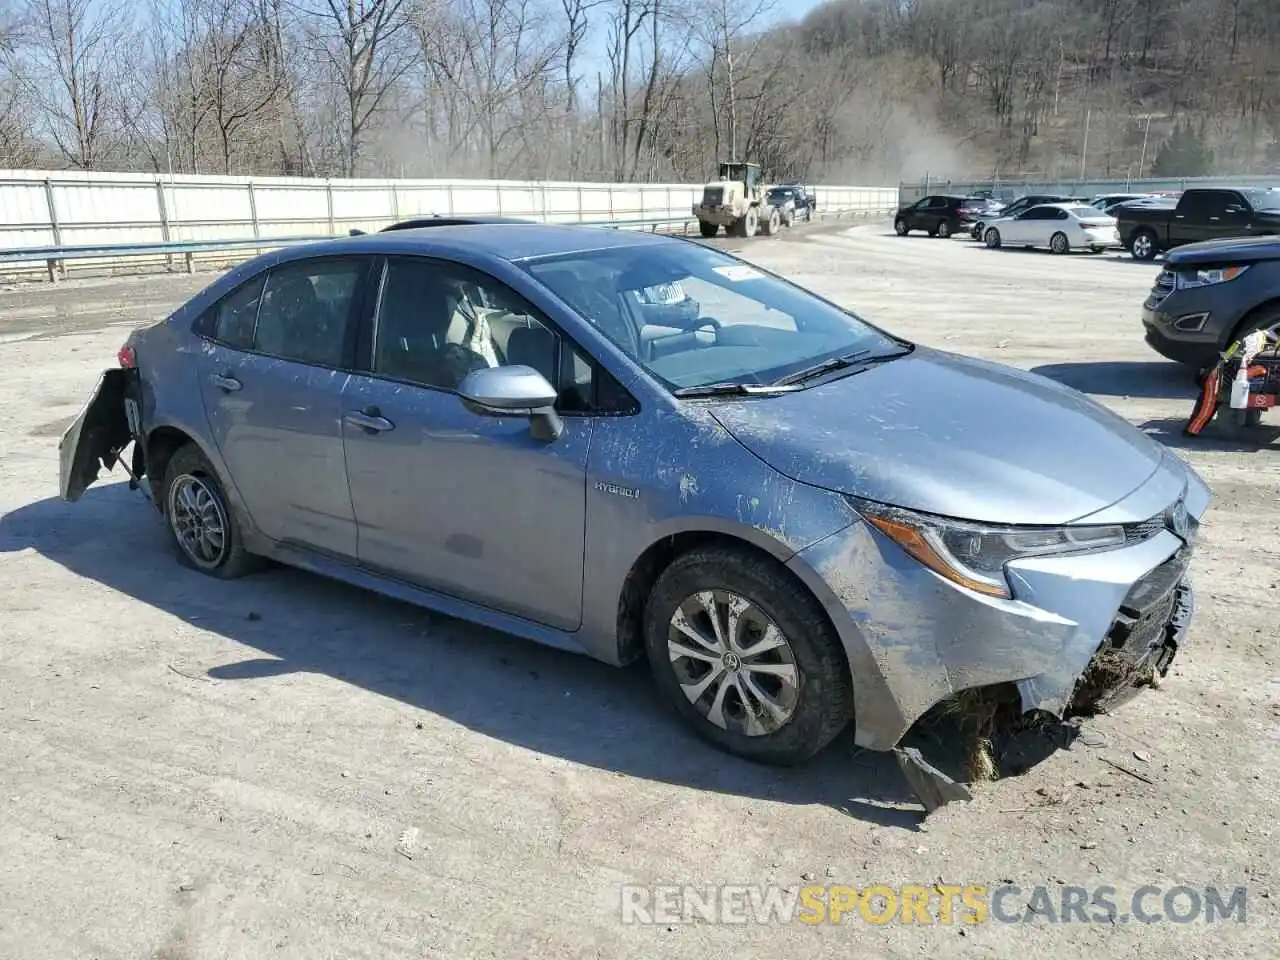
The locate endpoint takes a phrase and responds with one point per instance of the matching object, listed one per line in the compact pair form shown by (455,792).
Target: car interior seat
(534,347)
(598,302)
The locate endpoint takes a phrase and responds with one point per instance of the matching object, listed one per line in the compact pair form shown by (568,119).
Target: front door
(469,505)
(269,375)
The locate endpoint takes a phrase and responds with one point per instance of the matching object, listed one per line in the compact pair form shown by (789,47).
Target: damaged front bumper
(1082,633)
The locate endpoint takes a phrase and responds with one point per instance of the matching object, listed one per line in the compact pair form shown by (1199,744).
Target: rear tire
(708,230)
(200,518)
(809,688)
(749,223)
(1142,246)
(944,230)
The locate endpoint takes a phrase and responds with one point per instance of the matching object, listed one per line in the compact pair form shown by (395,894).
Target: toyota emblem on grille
(1178,520)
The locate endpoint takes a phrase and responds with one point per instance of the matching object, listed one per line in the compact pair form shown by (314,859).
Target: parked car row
(1038,221)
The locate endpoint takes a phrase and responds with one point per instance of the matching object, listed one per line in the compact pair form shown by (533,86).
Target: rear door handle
(369,419)
(228,384)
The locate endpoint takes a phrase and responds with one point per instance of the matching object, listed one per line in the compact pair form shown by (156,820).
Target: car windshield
(737,325)
(781,194)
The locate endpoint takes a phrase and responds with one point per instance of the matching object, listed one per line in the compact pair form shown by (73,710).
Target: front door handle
(370,419)
(227,384)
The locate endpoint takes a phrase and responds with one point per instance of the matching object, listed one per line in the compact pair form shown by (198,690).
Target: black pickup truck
(1206,213)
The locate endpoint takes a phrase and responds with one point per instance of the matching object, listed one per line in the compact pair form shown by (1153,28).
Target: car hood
(1234,250)
(950,435)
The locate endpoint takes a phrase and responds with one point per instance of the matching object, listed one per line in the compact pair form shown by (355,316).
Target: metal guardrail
(55,257)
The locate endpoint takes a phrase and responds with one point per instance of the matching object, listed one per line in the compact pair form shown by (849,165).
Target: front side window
(729,323)
(306,308)
(437,321)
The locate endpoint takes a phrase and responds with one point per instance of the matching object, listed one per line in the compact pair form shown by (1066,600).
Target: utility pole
(1145,133)
(1084,146)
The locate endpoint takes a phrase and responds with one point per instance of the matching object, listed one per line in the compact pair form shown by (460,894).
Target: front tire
(772,224)
(992,239)
(200,518)
(746,656)
(1059,244)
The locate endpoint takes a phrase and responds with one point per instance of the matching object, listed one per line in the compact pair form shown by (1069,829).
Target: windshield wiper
(733,390)
(862,357)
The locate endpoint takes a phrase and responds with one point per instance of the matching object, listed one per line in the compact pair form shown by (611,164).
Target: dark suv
(1211,294)
(939,216)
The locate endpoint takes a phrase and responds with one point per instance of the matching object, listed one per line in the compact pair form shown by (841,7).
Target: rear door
(1203,215)
(271,375)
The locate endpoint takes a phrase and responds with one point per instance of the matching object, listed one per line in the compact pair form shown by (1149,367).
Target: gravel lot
(281,766)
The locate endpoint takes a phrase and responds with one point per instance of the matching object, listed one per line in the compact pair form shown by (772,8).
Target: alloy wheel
(199,521)
(1142,246)
(733,663)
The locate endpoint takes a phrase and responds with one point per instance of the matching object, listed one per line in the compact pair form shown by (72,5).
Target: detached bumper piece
(1245,382)
(1143,640)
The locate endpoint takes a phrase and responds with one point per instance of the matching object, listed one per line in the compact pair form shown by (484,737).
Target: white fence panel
(40,209)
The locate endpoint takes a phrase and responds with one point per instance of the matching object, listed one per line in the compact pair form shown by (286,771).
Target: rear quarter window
(232,319)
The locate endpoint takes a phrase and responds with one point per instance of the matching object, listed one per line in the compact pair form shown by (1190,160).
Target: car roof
(506,241)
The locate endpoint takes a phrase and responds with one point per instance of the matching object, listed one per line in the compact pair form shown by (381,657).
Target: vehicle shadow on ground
(1152,379)
(1215,437)
(500,686)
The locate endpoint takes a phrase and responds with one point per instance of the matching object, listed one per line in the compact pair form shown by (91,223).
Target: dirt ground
(285,767)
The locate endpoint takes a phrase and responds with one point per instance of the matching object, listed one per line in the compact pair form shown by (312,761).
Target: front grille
(1142,640)
(1152,597)
(713,196)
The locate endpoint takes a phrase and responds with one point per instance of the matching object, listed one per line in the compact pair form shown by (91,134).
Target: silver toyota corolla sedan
(803,521)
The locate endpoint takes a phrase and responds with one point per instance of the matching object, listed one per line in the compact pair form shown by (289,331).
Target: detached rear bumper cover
(103,429)
(1078,622)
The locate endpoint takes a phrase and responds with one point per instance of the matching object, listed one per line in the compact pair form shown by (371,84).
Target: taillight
(127,357)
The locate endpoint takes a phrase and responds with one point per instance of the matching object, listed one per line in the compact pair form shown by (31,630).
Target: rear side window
(1205,203)
(305,310)
(236,313)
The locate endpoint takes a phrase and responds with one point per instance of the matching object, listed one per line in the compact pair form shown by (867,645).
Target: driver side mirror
(513,391)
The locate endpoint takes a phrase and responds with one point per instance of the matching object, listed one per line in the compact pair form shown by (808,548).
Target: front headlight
(974,555)
(1190,279)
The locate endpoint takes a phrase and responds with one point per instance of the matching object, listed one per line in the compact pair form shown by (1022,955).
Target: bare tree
(492,56)
(727,30)
(359,44)
(74,58)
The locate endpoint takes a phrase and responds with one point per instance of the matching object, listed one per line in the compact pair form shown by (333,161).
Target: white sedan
(1062,227)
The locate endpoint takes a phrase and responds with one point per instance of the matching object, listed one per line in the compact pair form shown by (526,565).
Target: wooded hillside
(860,90)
